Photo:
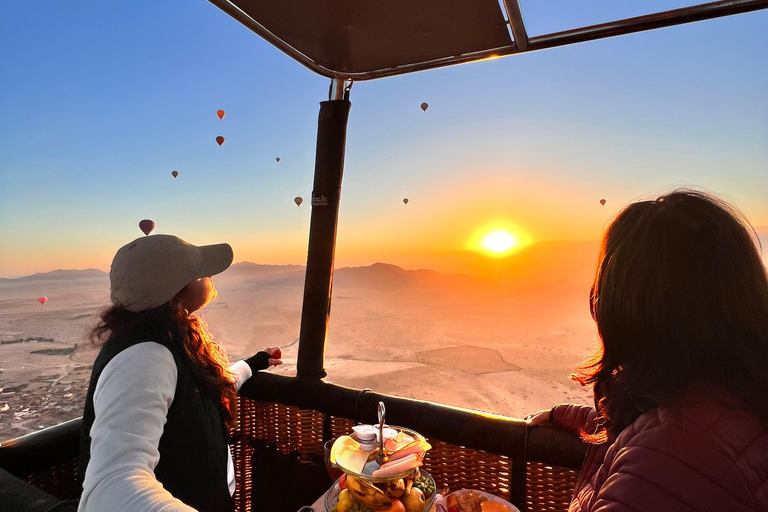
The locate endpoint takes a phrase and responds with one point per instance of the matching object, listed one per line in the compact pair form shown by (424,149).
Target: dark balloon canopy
(220,140)
(424,107)
(602,202)
(277,159)
(146,226)
(175,174)
(298,201)
(405,200)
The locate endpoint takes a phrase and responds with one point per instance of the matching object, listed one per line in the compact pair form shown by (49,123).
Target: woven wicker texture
(289,429)
(549,488)
(60,480)
(457,467)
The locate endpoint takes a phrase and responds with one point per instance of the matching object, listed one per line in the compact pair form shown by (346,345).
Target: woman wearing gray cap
(162,394)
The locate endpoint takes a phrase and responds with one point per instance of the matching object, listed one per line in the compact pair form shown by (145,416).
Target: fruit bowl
(365,473)
(332,496)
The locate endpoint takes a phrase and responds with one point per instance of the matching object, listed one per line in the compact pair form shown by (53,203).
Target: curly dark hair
(189,335)
(680,296)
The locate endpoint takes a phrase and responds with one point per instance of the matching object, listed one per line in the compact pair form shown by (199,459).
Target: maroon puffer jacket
(696,455)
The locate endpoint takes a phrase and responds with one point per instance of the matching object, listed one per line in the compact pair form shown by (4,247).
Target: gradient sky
(100,101)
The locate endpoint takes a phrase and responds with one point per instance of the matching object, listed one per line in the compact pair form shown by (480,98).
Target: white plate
(488,497)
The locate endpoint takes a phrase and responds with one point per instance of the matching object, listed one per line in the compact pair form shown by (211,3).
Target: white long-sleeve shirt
(131,402)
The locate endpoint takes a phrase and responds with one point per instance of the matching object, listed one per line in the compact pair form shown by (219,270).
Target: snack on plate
(358,453)
(467,500)
(389,481)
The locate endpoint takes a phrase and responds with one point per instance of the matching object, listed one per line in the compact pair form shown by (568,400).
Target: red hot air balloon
(146,226)
(175,174)
(220,140)
(405,200)
(221,114)
(424,107)
(298,201)
(602,202)
(42,300)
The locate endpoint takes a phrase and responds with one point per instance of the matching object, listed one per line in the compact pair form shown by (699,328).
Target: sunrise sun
(498,239)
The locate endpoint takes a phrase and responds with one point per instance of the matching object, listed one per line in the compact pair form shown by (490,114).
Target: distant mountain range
(59,275)
(540,262)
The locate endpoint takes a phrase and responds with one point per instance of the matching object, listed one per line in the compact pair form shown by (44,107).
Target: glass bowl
(415,435)
(332,496)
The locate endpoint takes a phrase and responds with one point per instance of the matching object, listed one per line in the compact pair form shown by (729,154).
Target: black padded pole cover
(316,308)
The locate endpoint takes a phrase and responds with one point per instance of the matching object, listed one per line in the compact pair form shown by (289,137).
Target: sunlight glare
(499,241)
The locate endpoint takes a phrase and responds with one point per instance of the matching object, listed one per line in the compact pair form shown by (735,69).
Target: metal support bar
(326,193)
(656,20)
(515,16)
(648,22)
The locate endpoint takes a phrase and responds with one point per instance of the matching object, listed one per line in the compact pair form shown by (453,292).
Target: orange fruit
(492,506)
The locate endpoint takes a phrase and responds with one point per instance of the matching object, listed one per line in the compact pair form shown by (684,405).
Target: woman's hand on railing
(275,356)
(270,356)
(539,418)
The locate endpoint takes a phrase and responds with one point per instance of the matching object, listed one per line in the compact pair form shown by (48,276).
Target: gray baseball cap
(151,270)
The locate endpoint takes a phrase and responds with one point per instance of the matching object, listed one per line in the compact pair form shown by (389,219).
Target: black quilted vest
(193,447)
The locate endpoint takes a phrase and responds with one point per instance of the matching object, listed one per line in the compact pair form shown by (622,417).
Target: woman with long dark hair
(680,380)
(162,394)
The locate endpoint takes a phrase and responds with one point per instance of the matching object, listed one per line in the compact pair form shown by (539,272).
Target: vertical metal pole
(329,165)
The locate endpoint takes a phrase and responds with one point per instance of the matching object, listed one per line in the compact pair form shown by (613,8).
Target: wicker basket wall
(60,480)
(290,429)
(549,488)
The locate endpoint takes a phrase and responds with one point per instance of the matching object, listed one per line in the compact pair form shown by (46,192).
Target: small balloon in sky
(146,226)
(220,140)
(42,300)
(298,201)
(221,114)
(277,159)
(405,200)
(424,107)
(602,202)
(175,174)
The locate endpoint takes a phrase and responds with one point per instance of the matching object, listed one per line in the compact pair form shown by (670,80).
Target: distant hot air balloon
(277,159)
(405,200)
(220,140)
(146,226)
(221,114)
(298,201)
(424,107)
(42,300)
(175,174)
(602,202)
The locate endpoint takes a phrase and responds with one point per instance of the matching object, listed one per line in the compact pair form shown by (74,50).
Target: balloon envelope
(42,300)
(424,107)
(602,202)
(220,140)
(298,201)
(277,159)
(175,174)
(146,226)
(221,114)
(405,200)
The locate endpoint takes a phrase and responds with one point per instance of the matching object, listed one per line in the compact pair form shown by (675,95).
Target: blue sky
(100,101)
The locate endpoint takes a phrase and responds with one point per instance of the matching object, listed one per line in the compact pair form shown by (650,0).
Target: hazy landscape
(498,344)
